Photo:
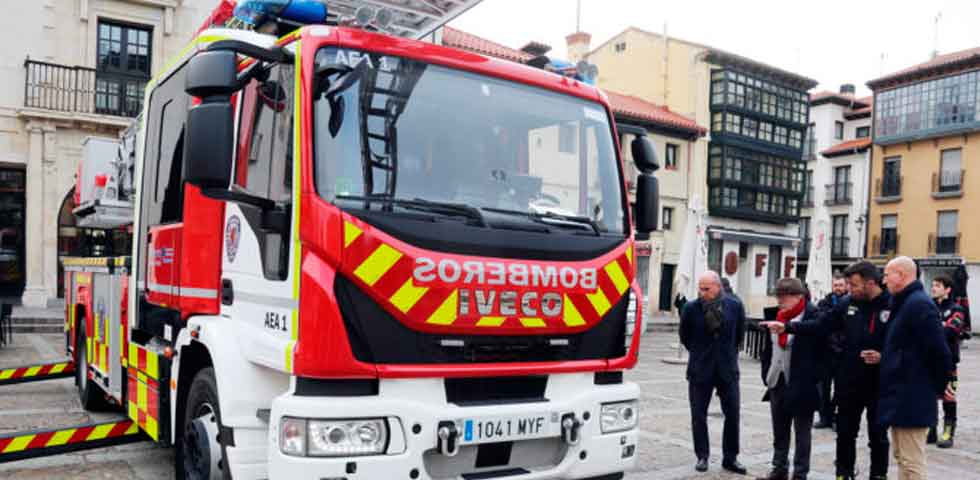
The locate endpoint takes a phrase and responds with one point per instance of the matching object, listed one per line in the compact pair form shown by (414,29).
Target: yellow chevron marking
(383,258)
(60,438)
(616,275)
(100,432)
(151,427)
(446,313)
(134,412)
(59,368)
(32,371)
(407,296)
(152,365)
(133,428)
(491,321)
(351,233)
(533,323)
(571,314)
(18,444)
(599,301)
(134,355)
(629,254)
(5,374)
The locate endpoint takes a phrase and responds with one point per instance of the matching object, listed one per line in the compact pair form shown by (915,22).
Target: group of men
(888,349)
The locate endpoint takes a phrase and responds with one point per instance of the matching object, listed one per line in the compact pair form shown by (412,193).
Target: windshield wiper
(444,208)
(555,219)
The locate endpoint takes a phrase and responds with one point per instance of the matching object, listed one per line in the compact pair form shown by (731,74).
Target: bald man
(915,368)
(711,329)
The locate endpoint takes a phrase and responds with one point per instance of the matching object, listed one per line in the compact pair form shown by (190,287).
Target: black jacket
(915,361)
(710,354)
(835,340)
(953,318)
(807,355)
(863,326)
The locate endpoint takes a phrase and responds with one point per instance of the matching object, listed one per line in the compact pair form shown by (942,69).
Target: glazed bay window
(755,95)
(927,108)
(750,127)
(750,184)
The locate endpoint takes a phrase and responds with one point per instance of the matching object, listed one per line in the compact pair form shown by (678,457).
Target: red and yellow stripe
(37,372)
(143,393)
(40,443)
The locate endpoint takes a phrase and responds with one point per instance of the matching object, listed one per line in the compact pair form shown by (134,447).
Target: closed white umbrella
(693,260)
(819,274)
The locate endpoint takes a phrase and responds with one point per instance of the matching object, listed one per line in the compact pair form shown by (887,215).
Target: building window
(620,47)
(753,94)
(668,218)
(670,156)
(862,132)
(774,267)
(715,246)
(947,234)
(889,234)
(839,130)
(891,179)
(122,68)
(839,240)
(754,182)
(932,106)
(839,192)
(804,250)
(951,171)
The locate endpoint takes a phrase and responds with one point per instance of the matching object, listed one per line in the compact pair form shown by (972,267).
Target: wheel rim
(201,449)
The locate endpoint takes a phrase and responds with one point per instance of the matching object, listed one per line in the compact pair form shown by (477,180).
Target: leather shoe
(702,465)
(734,467)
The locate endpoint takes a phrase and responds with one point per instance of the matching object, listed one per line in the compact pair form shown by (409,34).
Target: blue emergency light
(255,13)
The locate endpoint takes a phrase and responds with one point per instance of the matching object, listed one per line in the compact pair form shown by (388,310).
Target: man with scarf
(862,318)
(790,373)
(711,330)
(953,318)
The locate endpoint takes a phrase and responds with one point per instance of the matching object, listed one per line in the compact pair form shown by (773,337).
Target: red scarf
(785,316)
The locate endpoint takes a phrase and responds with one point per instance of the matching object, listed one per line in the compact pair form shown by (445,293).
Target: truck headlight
(333,438)
(619,416)
(330,438)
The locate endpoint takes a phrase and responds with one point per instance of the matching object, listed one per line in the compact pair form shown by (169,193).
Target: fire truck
(356,254)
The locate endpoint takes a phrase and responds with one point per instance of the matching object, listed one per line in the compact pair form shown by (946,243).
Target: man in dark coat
(953,319)
(915,367)
(862,318)
(790,373)
(835,346)
(711,329)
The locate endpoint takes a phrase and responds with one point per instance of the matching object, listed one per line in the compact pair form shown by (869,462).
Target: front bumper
(422,402)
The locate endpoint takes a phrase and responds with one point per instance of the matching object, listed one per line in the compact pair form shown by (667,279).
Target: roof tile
(848,146)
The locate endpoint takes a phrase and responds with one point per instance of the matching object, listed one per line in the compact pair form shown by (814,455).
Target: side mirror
(644,155)
(647,203)
(212,73)
(209,145)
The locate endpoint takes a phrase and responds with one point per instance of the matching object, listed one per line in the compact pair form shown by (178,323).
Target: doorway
(666,286)
(12,232)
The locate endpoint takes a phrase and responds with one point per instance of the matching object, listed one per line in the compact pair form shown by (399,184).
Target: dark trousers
(699,397)
(949,408)
(784,420)
(849,424)
(827,405)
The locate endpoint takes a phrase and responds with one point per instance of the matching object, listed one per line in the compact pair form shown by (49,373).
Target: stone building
(71,69)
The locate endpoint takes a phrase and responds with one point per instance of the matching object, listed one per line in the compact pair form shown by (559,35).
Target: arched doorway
(68,237)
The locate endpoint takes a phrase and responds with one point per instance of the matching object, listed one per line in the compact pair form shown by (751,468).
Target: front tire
(90,395)
(199,454)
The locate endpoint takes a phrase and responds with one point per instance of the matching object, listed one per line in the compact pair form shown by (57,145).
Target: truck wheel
(89,394)
(199,455)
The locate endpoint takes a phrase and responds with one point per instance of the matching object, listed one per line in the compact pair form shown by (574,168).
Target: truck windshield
(393,131)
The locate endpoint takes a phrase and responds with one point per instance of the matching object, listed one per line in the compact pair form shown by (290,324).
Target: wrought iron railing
(74,89)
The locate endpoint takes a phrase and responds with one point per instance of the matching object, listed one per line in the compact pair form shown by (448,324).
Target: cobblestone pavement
(665,451)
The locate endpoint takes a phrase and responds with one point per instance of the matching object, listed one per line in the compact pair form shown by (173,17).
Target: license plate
(509,428)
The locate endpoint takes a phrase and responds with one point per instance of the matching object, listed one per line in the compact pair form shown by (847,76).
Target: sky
(831,41)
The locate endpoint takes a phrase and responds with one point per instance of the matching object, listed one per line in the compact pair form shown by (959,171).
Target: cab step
(37,373)
(42,443)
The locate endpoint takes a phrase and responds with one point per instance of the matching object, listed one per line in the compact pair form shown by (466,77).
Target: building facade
(71,70)
(837,152)
(749,169)
(926,130)
(675,137)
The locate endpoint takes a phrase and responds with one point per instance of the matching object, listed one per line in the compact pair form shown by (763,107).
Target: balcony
(839,194)
(840,247)
(888,189)
(804,249)
(885,246)
(948,184)
(944,245)
(62,88)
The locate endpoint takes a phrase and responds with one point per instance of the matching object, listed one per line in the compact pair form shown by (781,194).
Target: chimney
(847,89)
(579,44)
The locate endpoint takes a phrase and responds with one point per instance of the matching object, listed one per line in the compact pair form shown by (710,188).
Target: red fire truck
(358,255)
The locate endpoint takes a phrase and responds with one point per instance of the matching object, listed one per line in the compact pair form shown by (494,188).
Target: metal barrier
(755,339)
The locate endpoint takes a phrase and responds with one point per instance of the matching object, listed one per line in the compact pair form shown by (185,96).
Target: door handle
(227,292)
